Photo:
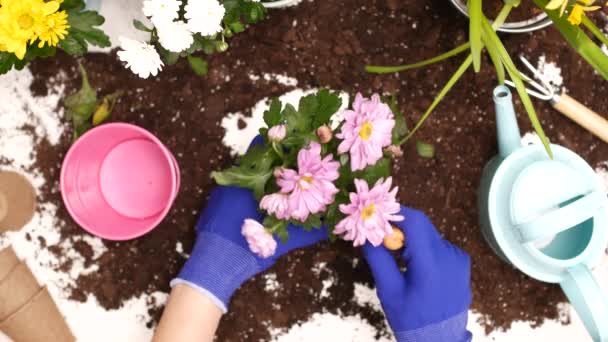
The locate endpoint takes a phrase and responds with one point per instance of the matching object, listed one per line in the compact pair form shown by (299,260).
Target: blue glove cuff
(217,267)
(453,330)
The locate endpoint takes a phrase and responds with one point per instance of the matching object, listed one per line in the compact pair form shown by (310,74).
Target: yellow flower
(582,6)
(55,29)
(21,21)
(555,4)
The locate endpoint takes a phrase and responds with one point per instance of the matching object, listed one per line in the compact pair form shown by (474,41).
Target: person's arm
(188,316)
(430,300)
(220,262)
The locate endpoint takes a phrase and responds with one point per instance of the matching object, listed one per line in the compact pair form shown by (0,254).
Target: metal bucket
(539,22)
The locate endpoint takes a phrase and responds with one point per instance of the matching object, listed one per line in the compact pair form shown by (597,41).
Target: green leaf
(296,121)
(72,5)
(73,46)
(141,26)
(199,65)
(579,41)
(244,178)
(328,103)
(475,17)
(237,27)
(170,58)
(104,111)
(400,129)
(7,60)
(519,85)
(308,105)
(312,222)
(83,31)
(272,116)
(590,25)
(254,169)
(371,174)
(451,82)
(81,105)
(492,48)
(377,69)
(333,215)
(425,150)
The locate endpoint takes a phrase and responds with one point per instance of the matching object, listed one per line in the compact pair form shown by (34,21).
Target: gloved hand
(221,260)
(429,301)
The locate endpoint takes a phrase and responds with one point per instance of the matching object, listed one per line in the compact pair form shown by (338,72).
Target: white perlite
(25,121)
(329,327)
(550,73)
(366,296)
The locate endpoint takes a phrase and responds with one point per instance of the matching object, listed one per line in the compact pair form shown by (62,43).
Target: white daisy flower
(161,10)
(140,57)
(205,16)
(174,36)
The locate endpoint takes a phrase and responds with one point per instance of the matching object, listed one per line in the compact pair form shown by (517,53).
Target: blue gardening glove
(221,260)
(429,301)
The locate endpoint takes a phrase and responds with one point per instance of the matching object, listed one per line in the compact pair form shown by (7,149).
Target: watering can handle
(564,218)
(588,300)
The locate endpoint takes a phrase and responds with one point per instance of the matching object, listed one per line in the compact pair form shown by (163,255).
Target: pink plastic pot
(118,181)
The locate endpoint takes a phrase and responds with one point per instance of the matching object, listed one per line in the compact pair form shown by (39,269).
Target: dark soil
(326,43)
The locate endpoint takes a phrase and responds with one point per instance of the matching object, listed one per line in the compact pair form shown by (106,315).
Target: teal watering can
(547,217)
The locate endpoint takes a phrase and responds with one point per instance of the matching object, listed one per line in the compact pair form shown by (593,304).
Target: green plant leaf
(328,103)
(578,40)
(475,17)
(81,105)
(103,112)
(400,129)
(7,60)
(425,150)
(378,69)
(83,31)
(308,105)
(519,85)
(141,26)
(371,174)
(253,171)
(199,65)
(451,82)
(312,222)
(72,5)
(237,176)
(272,116)
(296,121)
(492,49)
(590,25)
(170,58)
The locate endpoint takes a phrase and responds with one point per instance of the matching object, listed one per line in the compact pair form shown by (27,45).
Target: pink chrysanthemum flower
(311,188)
(276,204)
(369,213)
(366,130)
(260,241)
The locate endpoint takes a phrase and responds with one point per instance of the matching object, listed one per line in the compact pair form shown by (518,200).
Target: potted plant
(30,29)
(568,16)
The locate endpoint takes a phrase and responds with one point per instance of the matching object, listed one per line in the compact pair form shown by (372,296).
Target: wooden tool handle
(579,113)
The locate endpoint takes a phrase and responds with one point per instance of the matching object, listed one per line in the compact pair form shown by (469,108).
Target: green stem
(500,19)
(590,25)
(278,150)
(378,69)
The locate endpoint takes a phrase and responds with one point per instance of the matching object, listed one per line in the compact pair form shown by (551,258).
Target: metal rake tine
(538,95)
(548,89)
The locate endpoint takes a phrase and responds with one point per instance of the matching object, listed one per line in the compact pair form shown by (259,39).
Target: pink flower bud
(260,241)
(395,151)
(324,133)
(277,133)
(278,172)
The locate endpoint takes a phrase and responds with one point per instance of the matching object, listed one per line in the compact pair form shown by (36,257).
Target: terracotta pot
(8,261)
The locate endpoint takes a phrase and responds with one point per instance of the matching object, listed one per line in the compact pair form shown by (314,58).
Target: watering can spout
(509,137)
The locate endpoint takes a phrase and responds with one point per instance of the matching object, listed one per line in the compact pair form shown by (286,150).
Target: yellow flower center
(368,211)
(307,179)
(25,21)
(366,130)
